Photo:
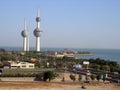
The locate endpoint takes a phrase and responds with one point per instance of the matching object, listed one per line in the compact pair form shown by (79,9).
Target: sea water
(107,54)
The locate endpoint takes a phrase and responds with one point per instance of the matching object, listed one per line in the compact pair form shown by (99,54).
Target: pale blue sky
(65,23)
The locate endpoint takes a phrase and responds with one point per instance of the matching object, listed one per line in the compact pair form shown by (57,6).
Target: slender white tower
(37,32)
(24,34)
(28,43)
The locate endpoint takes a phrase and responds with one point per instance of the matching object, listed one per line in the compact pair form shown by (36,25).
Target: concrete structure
(59,55)
(22,65)
(26,79)
(37,32)
(24,34)
(62,54)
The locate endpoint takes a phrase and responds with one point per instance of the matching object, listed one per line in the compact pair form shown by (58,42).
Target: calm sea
(107,54)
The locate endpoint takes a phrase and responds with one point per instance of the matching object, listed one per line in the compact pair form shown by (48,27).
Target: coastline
(85,54)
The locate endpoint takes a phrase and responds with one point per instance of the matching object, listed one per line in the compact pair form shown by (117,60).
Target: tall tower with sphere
(24,34)
(37,32)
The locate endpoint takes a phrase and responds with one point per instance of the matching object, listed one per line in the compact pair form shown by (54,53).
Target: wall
(17,78)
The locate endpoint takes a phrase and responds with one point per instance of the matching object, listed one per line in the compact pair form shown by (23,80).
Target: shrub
(86,77)
(98,77)
(72,77)
(80,77)
(104,77)
(48,75)
(92,77)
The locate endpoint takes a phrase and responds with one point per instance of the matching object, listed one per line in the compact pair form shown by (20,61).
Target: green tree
(37,64)
(48,75)
(80,77)
(104,77)
(98,77)
(72,77)
(106,67)
(92,77)
(86,77)
(96,67)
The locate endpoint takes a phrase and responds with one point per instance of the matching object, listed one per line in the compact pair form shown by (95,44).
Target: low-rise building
(23,65)
(60,55)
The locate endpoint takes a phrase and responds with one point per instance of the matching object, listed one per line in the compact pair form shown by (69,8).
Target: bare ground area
(55,86)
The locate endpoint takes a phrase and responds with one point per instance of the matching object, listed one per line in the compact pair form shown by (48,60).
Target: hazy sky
(65,23)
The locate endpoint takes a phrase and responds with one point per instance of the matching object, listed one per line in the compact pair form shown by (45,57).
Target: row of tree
(92,77)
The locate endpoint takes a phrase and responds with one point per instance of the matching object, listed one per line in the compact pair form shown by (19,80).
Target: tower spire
(25,27)
(38,13)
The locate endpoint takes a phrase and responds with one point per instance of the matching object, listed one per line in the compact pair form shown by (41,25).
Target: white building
(59,55)
(23,65)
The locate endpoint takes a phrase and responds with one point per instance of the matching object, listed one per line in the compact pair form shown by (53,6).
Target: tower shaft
(28,43)
(25,44)
(38,44)
(38,24)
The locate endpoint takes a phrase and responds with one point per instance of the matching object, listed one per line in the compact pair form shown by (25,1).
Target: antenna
(38,13)
(25,28)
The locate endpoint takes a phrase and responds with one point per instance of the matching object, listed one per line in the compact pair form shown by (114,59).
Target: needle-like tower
(24,34)
(37,32)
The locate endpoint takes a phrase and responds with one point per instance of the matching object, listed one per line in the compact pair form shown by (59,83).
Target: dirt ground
(55,86)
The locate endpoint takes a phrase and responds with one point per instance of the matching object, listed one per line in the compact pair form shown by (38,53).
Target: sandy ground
(57,85)
(54,86)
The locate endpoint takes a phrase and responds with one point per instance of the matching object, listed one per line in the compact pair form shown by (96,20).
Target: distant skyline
(65,23)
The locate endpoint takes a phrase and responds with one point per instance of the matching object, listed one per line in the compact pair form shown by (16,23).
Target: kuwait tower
(37,32)
(24,34)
